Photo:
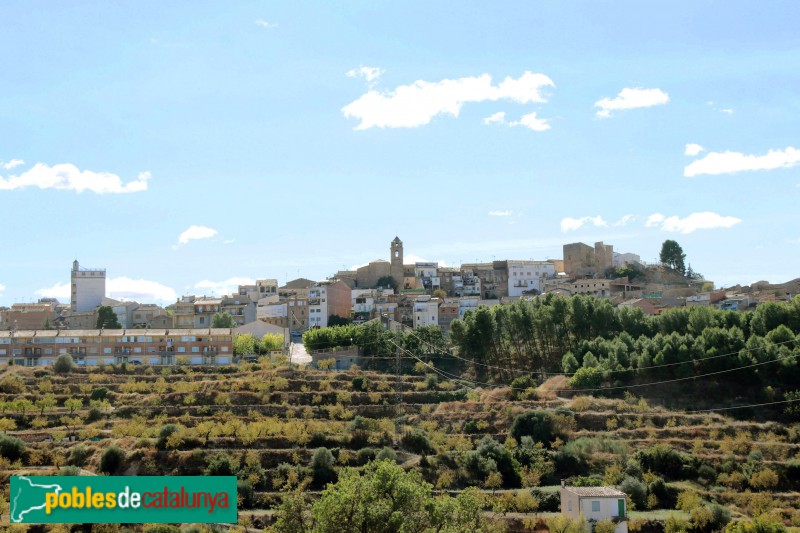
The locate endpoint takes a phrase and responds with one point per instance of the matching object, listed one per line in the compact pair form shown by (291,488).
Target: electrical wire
(410,331)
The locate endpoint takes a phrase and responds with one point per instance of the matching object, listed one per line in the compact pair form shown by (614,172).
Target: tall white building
(426,311)
(88,288)
(524,277)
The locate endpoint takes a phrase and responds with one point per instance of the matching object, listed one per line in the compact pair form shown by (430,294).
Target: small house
(595,504)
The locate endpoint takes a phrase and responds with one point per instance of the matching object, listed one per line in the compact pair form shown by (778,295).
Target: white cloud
(529,121)
(693,150)
(224,287)
(624,220)
(495,118)
(572,224)
(11,164)
(59,290)
(631,98)
(501,213)
(371,74)
(140,290)
(410,106)
(264,24)
(410,259)
(691,223)
(2,288)
(727,111)
(196,232)
(732,162)
(66,176)
(121,288)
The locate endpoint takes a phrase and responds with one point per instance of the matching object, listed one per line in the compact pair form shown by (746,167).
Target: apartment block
(95,347)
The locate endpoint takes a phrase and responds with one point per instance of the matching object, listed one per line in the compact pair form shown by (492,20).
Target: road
(298,355)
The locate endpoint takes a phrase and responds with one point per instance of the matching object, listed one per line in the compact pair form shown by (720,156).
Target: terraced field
(264,422)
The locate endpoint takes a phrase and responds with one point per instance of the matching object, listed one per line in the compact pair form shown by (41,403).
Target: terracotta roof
(596,491)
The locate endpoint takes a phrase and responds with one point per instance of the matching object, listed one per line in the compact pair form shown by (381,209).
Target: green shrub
(322,467)
(64,364)
(112,460)
(386,453)
(11,448)
(69,471)
(222,465)
(636,491)
(164,434)
(417,442)
(520,386)
(99,393)
(247,495)
(535,424)
(78,455)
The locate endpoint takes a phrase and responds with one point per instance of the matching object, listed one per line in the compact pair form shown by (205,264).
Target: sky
(188,147)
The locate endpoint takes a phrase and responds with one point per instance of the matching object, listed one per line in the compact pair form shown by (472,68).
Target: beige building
(581,260)
(92,347)
(594,504)
(28,316)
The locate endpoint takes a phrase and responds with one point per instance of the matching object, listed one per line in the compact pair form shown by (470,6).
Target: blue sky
(190,146)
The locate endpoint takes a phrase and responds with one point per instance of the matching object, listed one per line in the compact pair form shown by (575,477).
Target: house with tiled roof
(595,504)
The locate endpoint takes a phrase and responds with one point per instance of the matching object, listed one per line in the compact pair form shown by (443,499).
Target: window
(569,506)
(595,506)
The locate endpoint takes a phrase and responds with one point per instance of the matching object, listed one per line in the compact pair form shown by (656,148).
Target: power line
(692,361)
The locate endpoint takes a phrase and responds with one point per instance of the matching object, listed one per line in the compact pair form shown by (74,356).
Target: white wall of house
(528,275)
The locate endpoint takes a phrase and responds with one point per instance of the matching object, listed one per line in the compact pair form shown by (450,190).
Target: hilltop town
(415,295)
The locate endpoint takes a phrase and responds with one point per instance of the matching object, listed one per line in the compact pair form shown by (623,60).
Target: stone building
(583,261)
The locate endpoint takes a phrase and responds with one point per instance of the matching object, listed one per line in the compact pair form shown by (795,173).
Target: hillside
(264,422)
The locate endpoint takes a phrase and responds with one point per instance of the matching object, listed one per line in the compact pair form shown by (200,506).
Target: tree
(64,364)
(322,467)
(336,320)
(223,320)
(387,281)
(112,460)
(107,318)
(387,498)
(244,344)
(672,256)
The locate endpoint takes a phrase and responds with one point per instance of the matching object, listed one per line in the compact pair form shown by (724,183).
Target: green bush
(222,465)
(99,393)
(78,455)
(520,386)
(64,364)
(11,448)
(535,424)
(322,467)
(164,434)
(417,442)
(69,471)
(636,491)
(386,453)
(112,460)
(246,493)
(586,378)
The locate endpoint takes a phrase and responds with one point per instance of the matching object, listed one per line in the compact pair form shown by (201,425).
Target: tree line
(557,334)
